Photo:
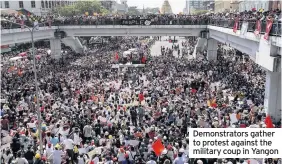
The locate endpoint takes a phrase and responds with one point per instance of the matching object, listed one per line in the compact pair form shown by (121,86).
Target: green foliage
(152,10)
(133,11)
(81,7)
(66,10)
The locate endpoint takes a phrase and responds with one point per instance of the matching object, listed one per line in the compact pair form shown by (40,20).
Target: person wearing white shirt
(21,160)
(49,153)
(121,155)
(69,144)
(131,154)
(57,156)
(76,138)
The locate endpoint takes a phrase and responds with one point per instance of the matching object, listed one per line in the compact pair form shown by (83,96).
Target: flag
(268,28)
(141,97)
(116,56)
(143,60)
(268,122)
(158,147)
(28,14)
(235,27)
(258,28)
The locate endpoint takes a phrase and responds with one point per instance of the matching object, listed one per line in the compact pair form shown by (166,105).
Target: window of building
(50,4)
(46,4)
(42,4)
(7,4)
(21,5)
(32,4)
(53,4)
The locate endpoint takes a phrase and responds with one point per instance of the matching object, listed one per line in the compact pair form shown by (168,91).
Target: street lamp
(36,84)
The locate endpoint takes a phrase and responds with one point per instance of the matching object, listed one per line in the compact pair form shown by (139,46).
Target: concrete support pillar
(272,99)
(200,46)
(212,49)
(56,48)
(74,43)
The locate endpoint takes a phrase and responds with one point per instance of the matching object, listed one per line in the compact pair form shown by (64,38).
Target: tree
(200,12)
(66,10)
(89,6)
(133,11)
(152,10)
(81,7)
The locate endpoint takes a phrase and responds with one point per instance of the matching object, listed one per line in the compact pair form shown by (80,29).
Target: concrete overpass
(12,36)
(265,53)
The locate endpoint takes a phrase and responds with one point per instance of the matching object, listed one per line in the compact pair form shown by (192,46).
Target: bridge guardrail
(275,30)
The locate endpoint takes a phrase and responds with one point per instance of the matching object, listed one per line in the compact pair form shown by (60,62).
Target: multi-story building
(36,7)
(226,5)
(273,5)
(44,7)
(194,5)
(259,4)
(208,5)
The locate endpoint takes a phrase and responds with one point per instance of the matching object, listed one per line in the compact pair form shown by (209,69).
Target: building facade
(249,5)
(208,5)
(42,7)
(259,4)
(193,5)
(226,6)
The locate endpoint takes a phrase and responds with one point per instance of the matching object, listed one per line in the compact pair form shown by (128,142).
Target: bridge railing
(275,30)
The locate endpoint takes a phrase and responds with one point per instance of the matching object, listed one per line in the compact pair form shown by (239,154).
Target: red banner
(258,28)
(268,28)
(22,24)
(116,56)
(235,27)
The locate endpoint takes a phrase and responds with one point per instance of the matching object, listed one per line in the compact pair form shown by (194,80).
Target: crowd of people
(94,113)
(219,19)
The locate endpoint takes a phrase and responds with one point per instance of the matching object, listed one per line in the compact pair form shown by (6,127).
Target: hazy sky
(176,5)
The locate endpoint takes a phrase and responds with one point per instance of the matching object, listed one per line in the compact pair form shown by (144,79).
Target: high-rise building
(42,7)
(166,8)
(193,5)
(208,5)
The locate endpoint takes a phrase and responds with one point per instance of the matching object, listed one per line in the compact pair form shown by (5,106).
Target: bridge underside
(158,30)
(244,45)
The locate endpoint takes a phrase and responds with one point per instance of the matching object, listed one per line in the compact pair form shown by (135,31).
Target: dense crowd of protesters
(220,19)
(94,113)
